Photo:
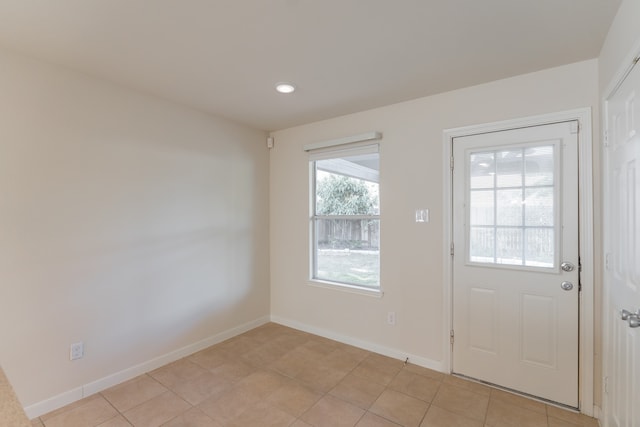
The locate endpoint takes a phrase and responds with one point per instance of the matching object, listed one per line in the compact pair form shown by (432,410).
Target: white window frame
(343,147)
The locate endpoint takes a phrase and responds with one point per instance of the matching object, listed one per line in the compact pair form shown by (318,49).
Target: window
(345,216)
(511,206)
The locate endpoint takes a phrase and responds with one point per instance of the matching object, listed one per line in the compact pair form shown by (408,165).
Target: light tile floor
(277,376)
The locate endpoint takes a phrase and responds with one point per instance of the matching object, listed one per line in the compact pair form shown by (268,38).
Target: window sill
(376,293)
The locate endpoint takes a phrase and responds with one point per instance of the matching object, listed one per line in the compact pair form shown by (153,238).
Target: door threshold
(518,393)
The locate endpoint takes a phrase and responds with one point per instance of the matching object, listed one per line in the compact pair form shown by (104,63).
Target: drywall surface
(622,39)
(129,223)
(411,177)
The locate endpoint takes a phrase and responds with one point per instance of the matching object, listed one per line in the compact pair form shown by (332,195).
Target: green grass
(349,266)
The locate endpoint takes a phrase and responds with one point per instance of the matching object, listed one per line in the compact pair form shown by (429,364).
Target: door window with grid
(512,206)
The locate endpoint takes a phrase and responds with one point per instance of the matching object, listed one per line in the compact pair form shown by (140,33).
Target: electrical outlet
(76,351)
(391,318)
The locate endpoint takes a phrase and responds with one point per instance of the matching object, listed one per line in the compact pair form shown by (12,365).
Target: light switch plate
(422,215)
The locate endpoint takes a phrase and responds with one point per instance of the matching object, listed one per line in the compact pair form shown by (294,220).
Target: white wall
(411,178)
(135,225)
(622,39)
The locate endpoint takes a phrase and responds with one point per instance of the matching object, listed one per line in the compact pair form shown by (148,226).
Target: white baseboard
(53,403)
(376,348)
(98,385)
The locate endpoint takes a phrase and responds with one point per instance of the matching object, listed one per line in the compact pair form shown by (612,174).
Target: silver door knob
(567,266)
(626,315)
(632,318)
(567,286)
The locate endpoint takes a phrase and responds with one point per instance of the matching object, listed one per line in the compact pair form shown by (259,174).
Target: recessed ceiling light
(285,87)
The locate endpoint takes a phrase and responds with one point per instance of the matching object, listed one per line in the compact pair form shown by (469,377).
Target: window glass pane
(348,251)
(344,186)
(539,206)
(539,166)
(513,221)
(509,246)
(346,246)
(482,170)
(482,244)
(509,168)
(509,207)
(540,247)
(482,207)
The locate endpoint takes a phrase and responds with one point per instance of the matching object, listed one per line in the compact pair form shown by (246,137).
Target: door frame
(586,237)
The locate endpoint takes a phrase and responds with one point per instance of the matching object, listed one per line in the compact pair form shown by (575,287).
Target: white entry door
(622,246)
(516,264)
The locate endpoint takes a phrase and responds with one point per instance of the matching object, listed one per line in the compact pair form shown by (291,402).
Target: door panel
(515,221)
(538,333)
(483,330)
(622,267)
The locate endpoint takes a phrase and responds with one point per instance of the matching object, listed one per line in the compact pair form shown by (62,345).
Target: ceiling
(225,56)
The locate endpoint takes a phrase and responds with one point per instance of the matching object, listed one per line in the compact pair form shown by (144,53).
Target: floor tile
(234,370)
(357,390)
(292,363)
(209,358)
(265,354)
(320,377)
(333,412)
(321,346)
(157,411)
(77,404)
(239,346)
(206,385)
(467,385)
(520,401)
(501,414)
(262,415)
(194,417)
(261,383)
(425,372)
(555,422)
(177,372)
(415,385)
(118,421)
(92,412)
(133,392)
(341,360)
(290,341)
(360,353)
(294,398)
(438,417)
(378,368)
(37,422)
(462,401)
(572,417)
(373,420)
(231,404)
(400,408)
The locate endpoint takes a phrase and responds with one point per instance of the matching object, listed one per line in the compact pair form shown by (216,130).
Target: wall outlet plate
(76,351)
(391,318)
